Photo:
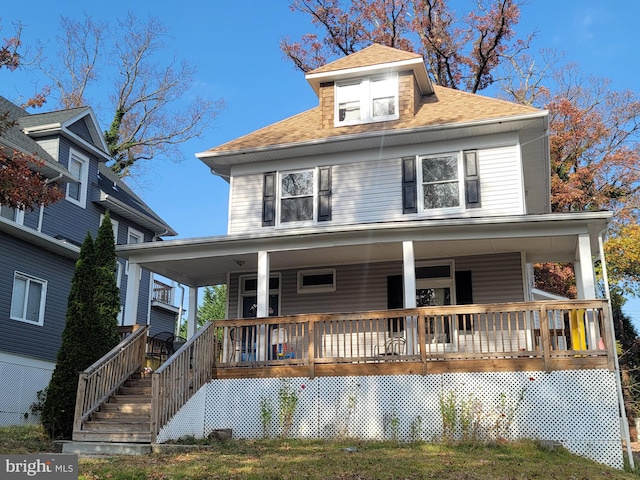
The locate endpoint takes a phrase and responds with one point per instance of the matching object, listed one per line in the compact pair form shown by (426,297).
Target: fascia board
(135,215)
(37,238)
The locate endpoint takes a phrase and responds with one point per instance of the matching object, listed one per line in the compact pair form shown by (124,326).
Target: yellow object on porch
(578,337)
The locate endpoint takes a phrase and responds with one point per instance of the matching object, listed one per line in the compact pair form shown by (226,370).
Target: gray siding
(162,320)
(22,338)
(495,279)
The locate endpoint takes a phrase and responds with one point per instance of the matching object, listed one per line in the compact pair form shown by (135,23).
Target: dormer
(377,84)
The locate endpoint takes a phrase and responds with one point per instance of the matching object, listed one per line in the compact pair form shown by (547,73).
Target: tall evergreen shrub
(91,328)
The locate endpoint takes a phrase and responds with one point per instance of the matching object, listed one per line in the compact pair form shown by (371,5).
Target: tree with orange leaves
(460,53)
(21,187)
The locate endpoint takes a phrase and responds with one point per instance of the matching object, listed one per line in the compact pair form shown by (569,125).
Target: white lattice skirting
(577,408)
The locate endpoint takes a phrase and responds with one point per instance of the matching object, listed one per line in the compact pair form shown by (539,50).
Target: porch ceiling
(207,261)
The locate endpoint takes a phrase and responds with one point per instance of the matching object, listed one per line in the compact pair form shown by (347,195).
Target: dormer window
(369,99)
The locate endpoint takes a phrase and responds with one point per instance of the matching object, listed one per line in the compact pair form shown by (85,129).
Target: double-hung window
(79,168)
(297,197)
(28,298)
(369,99)
(441,181)
(297,191)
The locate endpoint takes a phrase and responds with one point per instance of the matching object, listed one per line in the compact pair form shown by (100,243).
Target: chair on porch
(393,346)
(159,348)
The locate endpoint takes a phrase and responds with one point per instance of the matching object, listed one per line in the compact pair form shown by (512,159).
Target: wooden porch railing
(98,382)
(176,380)
(556,334)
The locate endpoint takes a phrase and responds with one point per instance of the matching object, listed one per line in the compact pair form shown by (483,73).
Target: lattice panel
(189,421)
(25,381)
(576,408)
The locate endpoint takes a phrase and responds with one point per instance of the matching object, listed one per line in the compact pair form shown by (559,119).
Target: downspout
(624,423)
(180,308)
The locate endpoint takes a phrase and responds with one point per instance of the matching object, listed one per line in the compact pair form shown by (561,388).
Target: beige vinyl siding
(370,191)
(245,204)
(495,279)
(500,182)
(366,192)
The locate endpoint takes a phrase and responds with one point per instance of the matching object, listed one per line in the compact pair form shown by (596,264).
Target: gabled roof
(13,138)
(375,54)
(61,121)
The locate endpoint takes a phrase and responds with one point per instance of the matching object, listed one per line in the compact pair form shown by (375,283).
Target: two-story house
(379,256)
(38,248)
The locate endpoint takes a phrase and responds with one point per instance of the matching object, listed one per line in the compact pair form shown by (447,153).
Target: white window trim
(316,288)
(115,225)
(137,233)
(461,184)
(83,180)
(278,212)
(366,100)
(43,298)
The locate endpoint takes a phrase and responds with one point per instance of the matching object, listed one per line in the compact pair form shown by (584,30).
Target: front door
(430,294)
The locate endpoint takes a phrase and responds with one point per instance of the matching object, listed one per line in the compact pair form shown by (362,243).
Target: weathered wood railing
(176,380)
(98,382)
(557,334)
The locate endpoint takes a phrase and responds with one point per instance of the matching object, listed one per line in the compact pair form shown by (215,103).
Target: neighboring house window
(13,214)
(370,99)
(302,196)
(79,168)
(28,298)
(114,225)
(134,236)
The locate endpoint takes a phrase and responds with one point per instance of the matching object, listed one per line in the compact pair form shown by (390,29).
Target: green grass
(329,460)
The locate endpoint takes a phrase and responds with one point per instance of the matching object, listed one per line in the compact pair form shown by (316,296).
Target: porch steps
(124,419)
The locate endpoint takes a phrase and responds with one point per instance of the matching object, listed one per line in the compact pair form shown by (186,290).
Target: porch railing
(176,380)
(98,382)
(162,292)
(548,331)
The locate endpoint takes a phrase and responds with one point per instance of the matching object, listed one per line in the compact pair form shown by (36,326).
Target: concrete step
(105,448)
(112,437)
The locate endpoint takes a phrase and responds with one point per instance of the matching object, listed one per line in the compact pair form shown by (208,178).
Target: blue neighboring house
(38,248)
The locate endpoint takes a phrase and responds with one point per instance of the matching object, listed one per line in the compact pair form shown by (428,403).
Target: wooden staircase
(124,418)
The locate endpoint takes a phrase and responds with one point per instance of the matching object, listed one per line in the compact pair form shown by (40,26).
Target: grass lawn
(339,460)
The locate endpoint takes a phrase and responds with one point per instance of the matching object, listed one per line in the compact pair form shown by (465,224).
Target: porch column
(586,284)
(192,318)
(585,278)
(409,276)
(134,274)
(263,302)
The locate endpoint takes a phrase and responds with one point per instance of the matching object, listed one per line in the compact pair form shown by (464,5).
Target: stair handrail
(99,381)
(181,376)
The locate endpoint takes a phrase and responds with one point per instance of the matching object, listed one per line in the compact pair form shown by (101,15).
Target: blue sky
(235,48)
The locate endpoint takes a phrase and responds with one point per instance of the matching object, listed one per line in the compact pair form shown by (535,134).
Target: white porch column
(192,318)
(585,277)
(263,302)
(133,294)
(586,284)
(409,276)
